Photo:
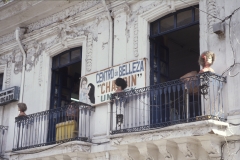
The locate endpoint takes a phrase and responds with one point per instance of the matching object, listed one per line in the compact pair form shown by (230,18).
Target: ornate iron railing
(178,101)
(3,134)
(59,125)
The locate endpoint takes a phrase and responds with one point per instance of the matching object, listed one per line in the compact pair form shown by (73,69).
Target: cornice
(199,128)
(4,8)
(69,148)
(121,8)
(7,38)
(81,13)
(68,12)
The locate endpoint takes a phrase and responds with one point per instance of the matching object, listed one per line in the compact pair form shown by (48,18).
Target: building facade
(51,51)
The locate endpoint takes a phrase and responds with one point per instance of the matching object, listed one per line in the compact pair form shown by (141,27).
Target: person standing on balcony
(206,59)
(121,84)
(22,107)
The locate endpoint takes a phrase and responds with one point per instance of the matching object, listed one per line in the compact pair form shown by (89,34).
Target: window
(1,81)
(174,51)
(66,71)
(178,20)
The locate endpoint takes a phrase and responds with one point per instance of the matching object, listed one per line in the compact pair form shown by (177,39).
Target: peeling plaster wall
(220,44)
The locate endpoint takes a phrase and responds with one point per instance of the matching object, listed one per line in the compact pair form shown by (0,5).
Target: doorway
(174,51)
(66,71)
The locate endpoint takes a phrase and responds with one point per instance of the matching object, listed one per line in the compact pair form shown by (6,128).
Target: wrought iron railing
(3,134)
(173,102)
(59,125)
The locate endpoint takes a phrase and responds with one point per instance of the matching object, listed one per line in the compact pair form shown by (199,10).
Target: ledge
(53,150)
(199,128)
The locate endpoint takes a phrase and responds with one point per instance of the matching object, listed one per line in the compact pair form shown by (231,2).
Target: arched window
(66,71)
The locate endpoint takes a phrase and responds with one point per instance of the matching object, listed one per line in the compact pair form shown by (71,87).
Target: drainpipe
(110,51)
(24,63)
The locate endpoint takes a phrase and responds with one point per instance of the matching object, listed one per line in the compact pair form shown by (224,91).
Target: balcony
(55,126)
(174,102)
(3,134)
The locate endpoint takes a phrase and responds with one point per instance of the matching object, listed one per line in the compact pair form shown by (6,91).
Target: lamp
(119,119)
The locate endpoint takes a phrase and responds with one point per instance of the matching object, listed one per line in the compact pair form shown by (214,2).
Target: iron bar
(64,124)
(173,102)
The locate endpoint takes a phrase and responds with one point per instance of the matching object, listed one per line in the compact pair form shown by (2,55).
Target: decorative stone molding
(234,112)
(182,130)
(2,69)
(101,17)
(211,9)
(171,5)
(8,73)
(167,149)
(33,50)
(75,149)
(77,156)
(122,8)
(129,152)
(135,38)
(7,38)
(17,59)
(89,52)
(143,9)
(15,9)
(71,11)
(48,158)
(117,157)
(188,147)
(81,148)
(40,70)
(148,151)
(133,19)
(211,145)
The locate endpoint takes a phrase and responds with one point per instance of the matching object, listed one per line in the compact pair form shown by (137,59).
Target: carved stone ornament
(133,20)
(189,150)
(135,39)
(7,59)
(40,69)
(211,9)
(129,152)
(89,52)
(121,8)
(211,145)
(167,149)
(78,148)
(71,11)
(7,38)
(148,151)
(15,9)
(33,50)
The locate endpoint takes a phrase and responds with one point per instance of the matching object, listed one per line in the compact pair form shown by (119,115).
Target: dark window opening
(172,22)
(66,71)
(174,51)
(1,81)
